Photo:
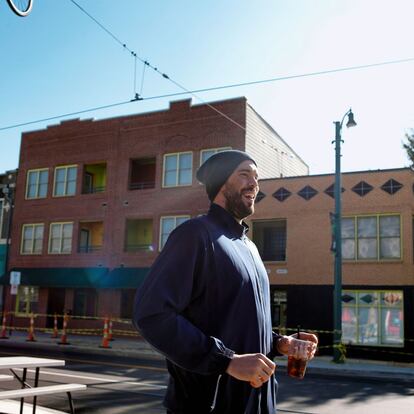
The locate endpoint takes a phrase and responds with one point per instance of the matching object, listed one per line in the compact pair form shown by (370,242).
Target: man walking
(205,304)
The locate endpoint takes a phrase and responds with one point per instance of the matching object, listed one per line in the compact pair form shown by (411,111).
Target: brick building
(96,200)
(292,230)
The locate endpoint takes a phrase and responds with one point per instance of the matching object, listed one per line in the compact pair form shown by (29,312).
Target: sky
(58,61)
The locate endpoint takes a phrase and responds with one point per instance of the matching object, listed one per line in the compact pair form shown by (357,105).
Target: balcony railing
(89,249)
(143,185)
(93,190)
(138,247)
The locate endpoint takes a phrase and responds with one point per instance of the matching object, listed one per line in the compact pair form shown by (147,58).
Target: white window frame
(60,237)
(160,244)
(33,226)
(178,154)
(66,168)
(216,150)
(38,171)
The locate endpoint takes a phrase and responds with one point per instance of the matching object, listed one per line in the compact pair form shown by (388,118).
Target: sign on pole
(15,278)
(14,289)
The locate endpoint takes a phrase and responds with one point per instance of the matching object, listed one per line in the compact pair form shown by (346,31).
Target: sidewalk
(138,348)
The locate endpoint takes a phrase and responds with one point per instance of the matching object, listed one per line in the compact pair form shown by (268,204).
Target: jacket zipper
(213,405)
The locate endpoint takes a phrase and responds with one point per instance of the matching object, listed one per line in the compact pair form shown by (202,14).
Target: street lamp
(8,208)
(338,236)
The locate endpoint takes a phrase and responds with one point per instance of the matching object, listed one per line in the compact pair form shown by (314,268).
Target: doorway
(55,304)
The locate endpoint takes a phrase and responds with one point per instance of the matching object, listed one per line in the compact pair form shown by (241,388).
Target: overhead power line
(210,89)
(146,63)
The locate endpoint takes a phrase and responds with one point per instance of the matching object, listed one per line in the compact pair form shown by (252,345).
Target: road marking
(86,377)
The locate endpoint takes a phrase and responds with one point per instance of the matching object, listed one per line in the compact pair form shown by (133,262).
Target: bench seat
(37,391)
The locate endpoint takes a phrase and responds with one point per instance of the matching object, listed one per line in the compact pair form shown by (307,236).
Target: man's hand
(288,345)
(254,368)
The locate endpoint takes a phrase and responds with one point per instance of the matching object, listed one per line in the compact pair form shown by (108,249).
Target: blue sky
(57,61)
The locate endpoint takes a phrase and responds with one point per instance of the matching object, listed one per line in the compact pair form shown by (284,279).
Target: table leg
(72,408)
(36,382)
(23,381)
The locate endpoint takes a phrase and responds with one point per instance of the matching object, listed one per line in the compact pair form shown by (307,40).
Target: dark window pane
(270,239)
(330,191)
(260,196)
(307,192)
(391,186)
(362,188)
(282,194)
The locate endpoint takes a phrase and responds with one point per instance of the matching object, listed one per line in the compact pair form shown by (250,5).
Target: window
(138,235)
(307,192)
(270,239)
(178,169)
(207,153)
(281,194)
(168,224)
(371,237)
(65,181)
(27,300)
(362,188)
(90,236)
(142,174)
(391,186)
(373,318)
(32,239)
(60,238)
(94,179)
(84,302)
(36,185)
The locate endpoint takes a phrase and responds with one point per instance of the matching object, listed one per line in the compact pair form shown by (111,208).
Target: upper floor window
(32,238)
(36,185)
(168,224)
(178,169)
(207,153)
(376,237)
(60,238)
(94,178)
(270,239)
(142,173)
(65,180)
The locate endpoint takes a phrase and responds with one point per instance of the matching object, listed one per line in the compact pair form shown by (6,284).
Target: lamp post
(7,191)
(338,236)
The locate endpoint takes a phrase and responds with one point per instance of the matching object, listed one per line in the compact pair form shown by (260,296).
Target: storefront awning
(83,277)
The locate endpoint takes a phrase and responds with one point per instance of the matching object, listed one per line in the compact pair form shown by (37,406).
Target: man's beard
(235,205)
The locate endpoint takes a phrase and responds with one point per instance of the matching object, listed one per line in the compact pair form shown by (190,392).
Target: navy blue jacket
(205,298)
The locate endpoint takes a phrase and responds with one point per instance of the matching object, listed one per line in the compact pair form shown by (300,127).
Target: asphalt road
(129,386)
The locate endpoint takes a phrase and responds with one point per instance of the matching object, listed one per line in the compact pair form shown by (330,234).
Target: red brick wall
(116,141)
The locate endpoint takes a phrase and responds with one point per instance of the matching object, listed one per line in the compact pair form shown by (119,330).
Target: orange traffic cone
(64,338)
(3,334)
(55,333)
(31,336)
(110,330)
(105,341)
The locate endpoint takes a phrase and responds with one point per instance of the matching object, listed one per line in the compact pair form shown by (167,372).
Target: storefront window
(27,300)
(373,318)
